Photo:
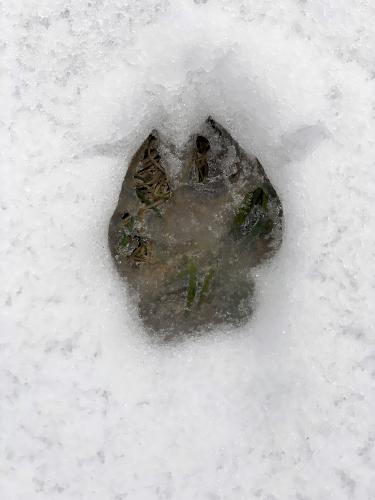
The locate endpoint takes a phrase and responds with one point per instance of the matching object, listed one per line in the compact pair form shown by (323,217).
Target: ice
(90,407)
(187,244)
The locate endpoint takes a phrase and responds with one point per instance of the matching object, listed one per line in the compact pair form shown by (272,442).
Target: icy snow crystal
(90,408)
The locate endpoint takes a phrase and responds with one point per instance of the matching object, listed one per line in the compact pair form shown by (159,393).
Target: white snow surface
(90,407)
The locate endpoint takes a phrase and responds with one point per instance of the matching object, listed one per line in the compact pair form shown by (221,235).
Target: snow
(90,407)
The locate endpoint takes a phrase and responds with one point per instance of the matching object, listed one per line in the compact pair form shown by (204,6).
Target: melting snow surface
(90,407)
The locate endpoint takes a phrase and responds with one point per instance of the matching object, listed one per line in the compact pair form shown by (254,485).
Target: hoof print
(189,227)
